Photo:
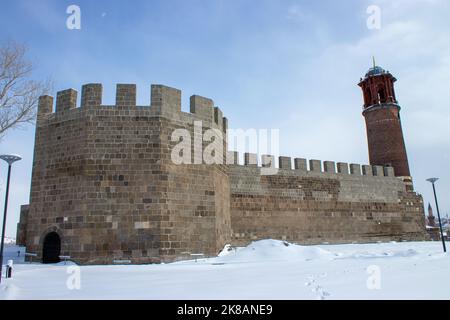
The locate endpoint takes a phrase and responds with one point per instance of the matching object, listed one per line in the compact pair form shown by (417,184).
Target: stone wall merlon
(126,95)
(355,169)
(232,158)
(218,117)
(329,166)
(342,167)
(250,159)
(225,124)
(315,165)
(300,164)
(66,100)
(268,161)
(285,163)
(378,171)
(91,95)
(367,170)
(165,100)
(389,172)
(45,105)
(202,107)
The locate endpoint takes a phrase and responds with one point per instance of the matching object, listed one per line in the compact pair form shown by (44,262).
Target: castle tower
(384,128)
(431,218)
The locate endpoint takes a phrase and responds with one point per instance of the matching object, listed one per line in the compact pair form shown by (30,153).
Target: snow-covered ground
(264,270)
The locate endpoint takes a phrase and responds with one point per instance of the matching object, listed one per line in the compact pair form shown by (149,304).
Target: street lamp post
(433,180)
(10,159)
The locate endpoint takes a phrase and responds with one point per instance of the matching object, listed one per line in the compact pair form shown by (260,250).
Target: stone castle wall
(105,181)
(363,204)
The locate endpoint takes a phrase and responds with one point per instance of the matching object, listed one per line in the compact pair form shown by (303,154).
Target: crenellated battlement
(303,165)
(164,101)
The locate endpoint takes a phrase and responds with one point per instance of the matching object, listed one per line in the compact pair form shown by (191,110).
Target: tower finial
(374,63)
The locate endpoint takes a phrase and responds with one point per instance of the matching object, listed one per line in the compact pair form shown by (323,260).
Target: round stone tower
(384,128)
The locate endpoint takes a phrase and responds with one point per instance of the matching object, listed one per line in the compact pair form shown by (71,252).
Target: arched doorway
(52,248)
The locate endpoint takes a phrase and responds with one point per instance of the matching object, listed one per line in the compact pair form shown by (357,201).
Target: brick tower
(431,219)
(384,128)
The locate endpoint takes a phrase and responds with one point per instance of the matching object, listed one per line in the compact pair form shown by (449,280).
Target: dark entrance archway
(51,248)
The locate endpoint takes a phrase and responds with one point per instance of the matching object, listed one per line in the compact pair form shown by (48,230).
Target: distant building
(431,220)
(446,227)
(432,228)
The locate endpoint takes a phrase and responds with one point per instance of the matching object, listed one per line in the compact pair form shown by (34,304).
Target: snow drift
(273,250)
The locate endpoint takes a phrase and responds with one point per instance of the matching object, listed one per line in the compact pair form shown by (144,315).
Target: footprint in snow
(321,294)
(311,280)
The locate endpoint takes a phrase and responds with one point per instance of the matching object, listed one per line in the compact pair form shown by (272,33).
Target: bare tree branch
(19,94)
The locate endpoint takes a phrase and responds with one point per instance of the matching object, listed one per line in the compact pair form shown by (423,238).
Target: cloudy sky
(290,65)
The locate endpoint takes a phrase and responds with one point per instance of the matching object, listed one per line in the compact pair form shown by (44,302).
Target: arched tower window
(381,92)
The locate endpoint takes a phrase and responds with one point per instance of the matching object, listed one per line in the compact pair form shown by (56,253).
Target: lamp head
(432,180)
(10,158)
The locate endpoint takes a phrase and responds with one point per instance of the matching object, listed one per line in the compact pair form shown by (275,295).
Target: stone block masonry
(313,207)
(103,180)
